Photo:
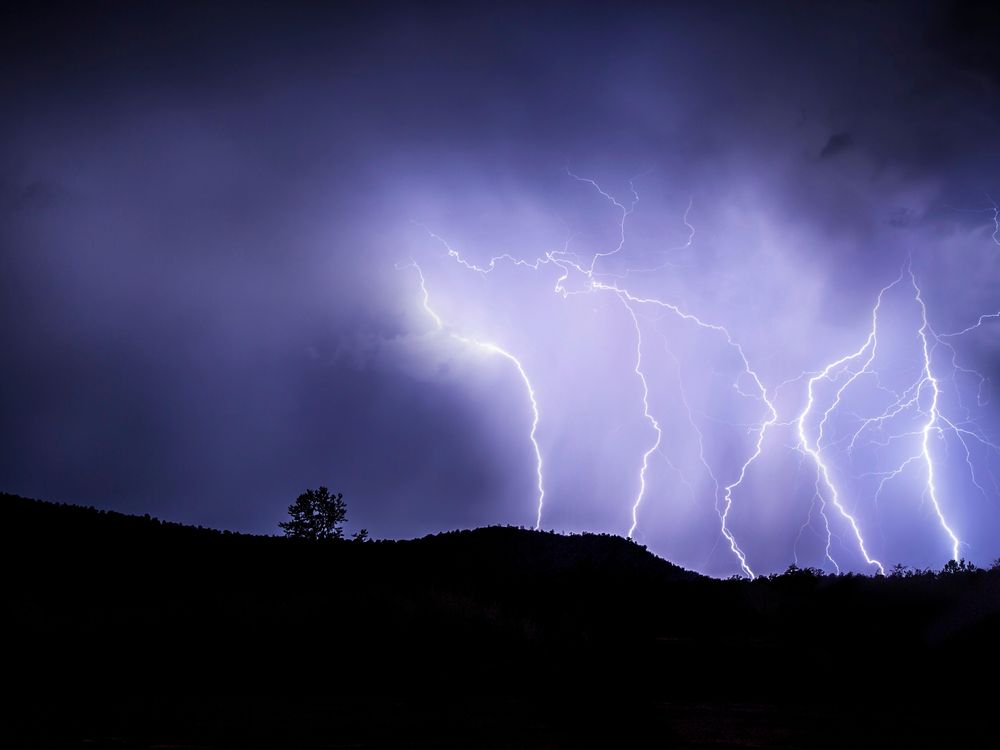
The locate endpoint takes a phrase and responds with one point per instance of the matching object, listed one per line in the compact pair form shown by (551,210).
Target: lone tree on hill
(316,514)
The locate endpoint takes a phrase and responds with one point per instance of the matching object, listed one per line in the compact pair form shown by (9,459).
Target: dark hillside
(104,576)
(590,631)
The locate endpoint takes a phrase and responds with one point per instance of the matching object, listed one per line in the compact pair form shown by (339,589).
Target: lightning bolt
(931,425)
(761,430)
(567,263)
(814,448)
(701,453)
(926,388)
(811,425)
(494,349)
(625,213)
(969,329)
(646,414)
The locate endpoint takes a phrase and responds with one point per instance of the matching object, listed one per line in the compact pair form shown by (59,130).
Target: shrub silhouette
(316,514)
(958,566)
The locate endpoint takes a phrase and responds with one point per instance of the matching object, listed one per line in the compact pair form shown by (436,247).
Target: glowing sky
(214,224)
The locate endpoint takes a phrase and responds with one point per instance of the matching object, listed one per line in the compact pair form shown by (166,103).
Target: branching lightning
(933,418)
(814,448)
(816,438)
(760,431)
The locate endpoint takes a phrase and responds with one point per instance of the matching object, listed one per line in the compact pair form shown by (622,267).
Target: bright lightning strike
(567,263)
(494,349)
(646,413)
(814,448)
(932,417)
(812,425)
(762,395)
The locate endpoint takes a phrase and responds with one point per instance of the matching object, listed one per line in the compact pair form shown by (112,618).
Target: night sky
(212,218)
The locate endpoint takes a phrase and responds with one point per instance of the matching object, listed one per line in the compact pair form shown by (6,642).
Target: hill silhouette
(565,640)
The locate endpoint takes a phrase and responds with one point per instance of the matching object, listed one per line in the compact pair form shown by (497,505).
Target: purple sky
(207,214)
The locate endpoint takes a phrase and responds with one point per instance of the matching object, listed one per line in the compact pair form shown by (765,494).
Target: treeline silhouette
(589,634)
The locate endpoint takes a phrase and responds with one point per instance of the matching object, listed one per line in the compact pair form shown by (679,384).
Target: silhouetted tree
(316,514)
(958,566)
(794,571)
(899,570)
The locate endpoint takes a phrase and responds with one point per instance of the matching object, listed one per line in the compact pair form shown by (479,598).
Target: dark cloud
(965,32)
(837,143)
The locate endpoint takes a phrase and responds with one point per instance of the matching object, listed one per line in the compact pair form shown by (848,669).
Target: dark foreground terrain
(128,632)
